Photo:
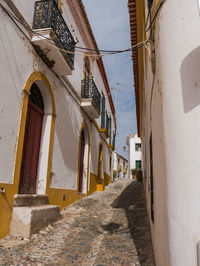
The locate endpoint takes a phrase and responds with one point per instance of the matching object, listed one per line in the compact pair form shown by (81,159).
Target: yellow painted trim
(63,197)
(93,183)
(60,6)
(155,5)
(101,130)
(100,187)
(107,179)
(110,146)
(20,142)
(32,78)
(118,164)
(6,199)
(6,203)
(83,125)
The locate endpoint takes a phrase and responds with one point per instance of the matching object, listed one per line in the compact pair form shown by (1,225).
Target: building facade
(134,153)
(167,89)
(120,166)
(57,116)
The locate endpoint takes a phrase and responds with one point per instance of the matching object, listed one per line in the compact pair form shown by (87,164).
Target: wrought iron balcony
(49,26)
(91,98)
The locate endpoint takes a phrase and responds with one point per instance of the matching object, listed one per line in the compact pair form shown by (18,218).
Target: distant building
(134,153)
(120,166)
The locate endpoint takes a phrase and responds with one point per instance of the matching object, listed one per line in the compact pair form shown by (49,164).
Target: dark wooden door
(99,178)
(82,151)
(30,157)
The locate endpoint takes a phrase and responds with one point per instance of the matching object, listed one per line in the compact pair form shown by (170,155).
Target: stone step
(29,220)
(29,200)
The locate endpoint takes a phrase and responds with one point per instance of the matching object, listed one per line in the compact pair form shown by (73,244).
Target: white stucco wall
(123,163)
(133,155)
(18,62)
(174,112)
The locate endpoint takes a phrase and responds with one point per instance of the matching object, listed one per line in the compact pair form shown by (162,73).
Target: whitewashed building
(120,166)
(134,153)
(57,115)
(167,88)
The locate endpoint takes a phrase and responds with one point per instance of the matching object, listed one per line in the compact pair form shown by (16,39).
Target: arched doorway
(99,177)
(32,139)
(83,161)
(82,151)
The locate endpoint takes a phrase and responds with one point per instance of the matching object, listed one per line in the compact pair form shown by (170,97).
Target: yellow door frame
(35,76)
(83,125)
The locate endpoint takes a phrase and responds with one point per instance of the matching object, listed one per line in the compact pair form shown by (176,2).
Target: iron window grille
(47,15)
(89,90)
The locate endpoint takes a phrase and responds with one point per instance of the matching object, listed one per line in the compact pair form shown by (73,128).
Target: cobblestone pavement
(104,229)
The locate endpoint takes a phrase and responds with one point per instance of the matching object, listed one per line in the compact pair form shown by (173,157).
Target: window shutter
(103,111)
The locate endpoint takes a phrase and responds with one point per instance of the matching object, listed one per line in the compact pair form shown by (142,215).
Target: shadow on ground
(132,200)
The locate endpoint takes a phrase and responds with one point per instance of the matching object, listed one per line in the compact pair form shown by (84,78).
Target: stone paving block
(106,228)
(29,220)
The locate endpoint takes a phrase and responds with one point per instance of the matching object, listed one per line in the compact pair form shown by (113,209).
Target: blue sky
(109,20)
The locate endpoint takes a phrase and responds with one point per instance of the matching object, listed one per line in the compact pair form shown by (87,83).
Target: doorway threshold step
(29,220)
(30,200)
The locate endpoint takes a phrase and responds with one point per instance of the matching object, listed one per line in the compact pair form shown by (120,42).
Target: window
(138,147)
(138,164)
(103,111)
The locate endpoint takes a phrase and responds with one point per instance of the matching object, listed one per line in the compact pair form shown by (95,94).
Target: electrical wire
(152,21)
(104,51)
(149,14)
(70,93)
(99,53)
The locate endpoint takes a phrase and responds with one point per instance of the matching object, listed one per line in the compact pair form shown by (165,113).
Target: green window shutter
(103,113)
(110,131)
(138,164)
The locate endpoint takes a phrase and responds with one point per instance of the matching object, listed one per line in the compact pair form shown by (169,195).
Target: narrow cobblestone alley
(106,228)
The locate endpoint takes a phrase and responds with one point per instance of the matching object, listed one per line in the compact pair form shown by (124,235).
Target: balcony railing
(47,15)
(89,90)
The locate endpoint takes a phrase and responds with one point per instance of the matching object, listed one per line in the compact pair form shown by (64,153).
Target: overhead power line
(154,18)
(79,50)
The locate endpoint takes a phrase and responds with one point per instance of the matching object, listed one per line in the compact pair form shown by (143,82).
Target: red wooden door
(32,138)
(82,150)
